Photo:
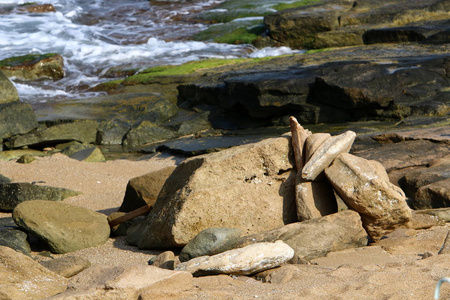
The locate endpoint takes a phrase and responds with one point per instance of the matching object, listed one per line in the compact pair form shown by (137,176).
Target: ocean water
(96,36)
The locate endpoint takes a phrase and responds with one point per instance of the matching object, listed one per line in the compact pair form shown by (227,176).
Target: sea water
(95,36)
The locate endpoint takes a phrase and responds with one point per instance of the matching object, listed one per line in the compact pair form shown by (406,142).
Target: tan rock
(313,142)
(164,260)
(314,199)
(326,153)
(21,278)
(67,266)
(381,204)
(242,261)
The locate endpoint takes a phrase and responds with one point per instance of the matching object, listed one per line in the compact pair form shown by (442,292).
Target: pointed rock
(313,142)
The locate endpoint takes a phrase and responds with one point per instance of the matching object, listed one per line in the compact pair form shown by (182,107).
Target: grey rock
(210,241)
(68,266)
(8,92)
(111,133)
(64,227)
(4,179)
(165,260)
(145,133)
(16,118)
(14,238)
(121,229)
(11,194)
(248,260)
(317,237)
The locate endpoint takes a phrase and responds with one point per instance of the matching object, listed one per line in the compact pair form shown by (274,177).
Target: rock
(314,199)
(147,132)
(34,67)
(144,189)
(121,229)
(445,249)
(243,261)
(313,142)
(16,154)
(165,260)
(8,92)
(4,179)
(315,238)
(209,242)
(16,118)
(64,227)
(381,204)
(433,195)
(23,278)
(206,191)
(441,213)
(68,266)
(423,221)
(84,131)
(326,153)
(26,159)
(11,194)
(39,8)
(91,154)
(129,282)
(111,133)
(280,275)
(15,239)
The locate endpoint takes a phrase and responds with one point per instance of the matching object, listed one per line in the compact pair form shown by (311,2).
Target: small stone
(165,260)
(67,266)
(26,159)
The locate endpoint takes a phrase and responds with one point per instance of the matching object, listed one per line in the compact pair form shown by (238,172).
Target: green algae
(28,59)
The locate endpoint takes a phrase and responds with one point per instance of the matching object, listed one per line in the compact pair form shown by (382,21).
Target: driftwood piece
(131,215)
(299,136)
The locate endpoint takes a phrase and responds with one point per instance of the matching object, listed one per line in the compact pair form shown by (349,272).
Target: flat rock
(24,279)
(64,227)
(147,132)
(68,266)
(243,261)
(317,237)
(210,241)
(206,191)
(12,193)
(365,188)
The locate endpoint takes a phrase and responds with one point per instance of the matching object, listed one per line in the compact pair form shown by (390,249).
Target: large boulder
(64,227)
(25,279)
(34,67)
(16,118)
(207,191)
(8,92)
(11,194)
(317,237)
(365,187)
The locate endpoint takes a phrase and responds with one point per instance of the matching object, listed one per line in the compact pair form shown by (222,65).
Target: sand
(394,270)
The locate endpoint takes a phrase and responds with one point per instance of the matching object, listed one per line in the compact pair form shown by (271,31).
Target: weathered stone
(129,282)
(84,131)
(423,221)
(243,261)
(315,238)
(16,118)
(433,195)
(147,132)
(280,275)
(68,266)
(23,278)
(381,204)
(440,213)
(206,191)
(111,133)
(16,154)
(93,154)
(326,153)
(313,142)
(165,260)
(26,159)
(34,67)
(64,227)
(15,239)
(314,199)
(210,241)
(8,92)
(11,194)
(144,189)
(39,8)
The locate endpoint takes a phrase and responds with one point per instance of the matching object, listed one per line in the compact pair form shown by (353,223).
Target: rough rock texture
(243,261)
(15,239)
(313,142)
(144,189)
(24,279)
(315,199)
(365,189)
(315,238)
(8,92)
(208,190)
(16,118)
(67,266)
(34,67)
(64,227)
(128,282)
(11,194)
(147,132)
(210,241)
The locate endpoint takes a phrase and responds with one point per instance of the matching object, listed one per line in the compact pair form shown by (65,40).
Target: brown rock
(34,67)
(165,260)
(434,195)
(282,274)
(314,199)
(313,142)
(67,266)
(381,204)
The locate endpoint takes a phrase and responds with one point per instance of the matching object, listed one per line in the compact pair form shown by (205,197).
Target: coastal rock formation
(243,261)
(34,67)
(207,191)
(8,92)
(64,227)
(16,118)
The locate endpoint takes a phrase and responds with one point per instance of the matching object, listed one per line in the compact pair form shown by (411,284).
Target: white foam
(271,51)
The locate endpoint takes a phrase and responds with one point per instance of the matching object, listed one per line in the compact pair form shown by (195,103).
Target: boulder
(317,237)
(24,279)
(111,132)
(248,260)
(433,195)
(314,199)
(209,242)
(144,189)
(16,118)
(365,188)
(15,239)
(207,191)
(11,194)
(128,282)
(68,266)
(8,92)
(145,133)
(64,227)
(34,67)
